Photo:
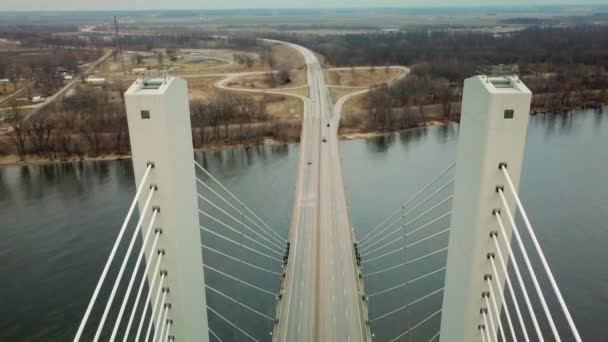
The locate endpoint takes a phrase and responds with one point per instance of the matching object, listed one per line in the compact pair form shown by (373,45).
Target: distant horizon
(518,6)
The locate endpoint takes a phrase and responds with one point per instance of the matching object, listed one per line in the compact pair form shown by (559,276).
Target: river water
(58,222)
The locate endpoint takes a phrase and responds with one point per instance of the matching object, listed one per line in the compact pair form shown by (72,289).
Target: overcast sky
(37,5)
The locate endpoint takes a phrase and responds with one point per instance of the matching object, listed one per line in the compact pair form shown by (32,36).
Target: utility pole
(122,60)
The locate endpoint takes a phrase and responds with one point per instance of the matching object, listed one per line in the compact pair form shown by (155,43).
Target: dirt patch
(202,87)
(356,77)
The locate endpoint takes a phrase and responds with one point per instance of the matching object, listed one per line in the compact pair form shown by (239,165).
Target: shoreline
(13,160)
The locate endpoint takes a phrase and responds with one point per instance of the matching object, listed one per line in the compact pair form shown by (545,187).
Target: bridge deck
(322,300)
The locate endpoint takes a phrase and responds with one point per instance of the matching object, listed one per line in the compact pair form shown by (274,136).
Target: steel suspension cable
(239,201)
(162,323)
(485,327)
(238,211)
(139,291)
(406,263)
(524,253)
(406,305)
(239,260)
(407,282)
(140,257)
(509,286)
(407,246)
(106,310)
(482,333)
(153,313)
(487,313)
(417,325)
(160,311)
(428,198)
(169,324)
(408,201)
(239,232)
(239,303)
(106,267)
(427,238)
(428,224)
(519,278)
(231,324)
(238,221)
(543,260)
(496,311)
(240,244)
(437,335)
(240,281)
(214,335)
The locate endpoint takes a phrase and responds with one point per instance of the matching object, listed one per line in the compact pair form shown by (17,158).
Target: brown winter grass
(361,77)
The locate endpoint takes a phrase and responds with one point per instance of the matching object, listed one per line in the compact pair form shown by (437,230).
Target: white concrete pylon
(493,126)
(160,131)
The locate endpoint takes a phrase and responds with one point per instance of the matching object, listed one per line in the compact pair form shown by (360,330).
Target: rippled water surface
(58,222)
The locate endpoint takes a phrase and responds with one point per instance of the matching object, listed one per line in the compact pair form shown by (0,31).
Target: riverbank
(14,160)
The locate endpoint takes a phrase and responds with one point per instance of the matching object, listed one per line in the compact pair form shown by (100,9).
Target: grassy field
(266,81)
(360,77)
(288,57)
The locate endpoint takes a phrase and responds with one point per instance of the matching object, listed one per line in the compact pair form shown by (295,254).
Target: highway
(321,295)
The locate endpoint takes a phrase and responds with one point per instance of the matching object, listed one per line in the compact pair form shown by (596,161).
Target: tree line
(456,55)
(93,123)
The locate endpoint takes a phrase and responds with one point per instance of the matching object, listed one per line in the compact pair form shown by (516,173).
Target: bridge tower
(160,133)
(494,121)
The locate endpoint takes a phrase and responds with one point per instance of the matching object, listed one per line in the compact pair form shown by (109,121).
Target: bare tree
(118,126)
(14,74)
(137,59)
(284,76)
(247,109)
(172,53)
(18,129)
(200,117)
(65,140)
(39,131)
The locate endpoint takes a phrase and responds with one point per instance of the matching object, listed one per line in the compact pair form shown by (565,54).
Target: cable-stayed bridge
(199,264)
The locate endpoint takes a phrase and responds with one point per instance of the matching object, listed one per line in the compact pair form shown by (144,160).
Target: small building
(4,80)
(67,77)
(197,59)
(38,99)
(95,80)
